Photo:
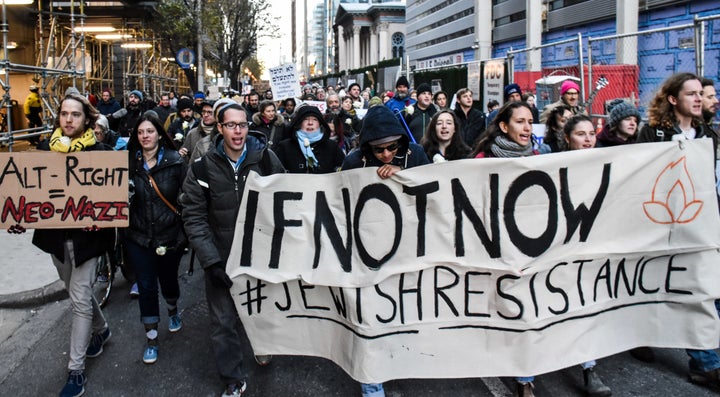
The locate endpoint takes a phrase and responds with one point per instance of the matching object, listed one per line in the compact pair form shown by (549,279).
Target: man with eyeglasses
(385,144)
(203,129)
(569,96)
(210,206)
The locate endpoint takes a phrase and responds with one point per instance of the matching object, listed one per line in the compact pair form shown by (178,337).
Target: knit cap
(402,81)
(184,103)
(511,89)
(424,87)
(220,103)
(567,85)
(137,94)
(619,109)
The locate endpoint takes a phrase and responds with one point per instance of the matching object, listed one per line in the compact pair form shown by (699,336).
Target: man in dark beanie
(400,99)
(511,93)
(418,117)
(383,144)
(128,117)
(184,122)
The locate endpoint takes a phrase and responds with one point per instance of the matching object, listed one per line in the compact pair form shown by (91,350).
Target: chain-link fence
(631,65)
(545,67)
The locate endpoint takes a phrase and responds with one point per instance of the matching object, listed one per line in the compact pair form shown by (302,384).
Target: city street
(34,347)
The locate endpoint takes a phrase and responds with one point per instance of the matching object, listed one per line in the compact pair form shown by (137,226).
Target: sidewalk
(28,276)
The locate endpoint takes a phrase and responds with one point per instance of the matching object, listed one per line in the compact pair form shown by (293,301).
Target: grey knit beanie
(620,110)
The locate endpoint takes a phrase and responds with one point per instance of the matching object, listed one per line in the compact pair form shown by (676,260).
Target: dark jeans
(225,335)
(149,269)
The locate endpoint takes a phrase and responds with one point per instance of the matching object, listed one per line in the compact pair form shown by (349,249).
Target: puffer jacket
(210,215)
(86,244)
(152,222)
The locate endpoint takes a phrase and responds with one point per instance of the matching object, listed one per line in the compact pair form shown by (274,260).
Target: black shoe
(644,354)
(705,378)
(594,387)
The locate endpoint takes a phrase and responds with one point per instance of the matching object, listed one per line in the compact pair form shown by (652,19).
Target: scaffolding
(65,56)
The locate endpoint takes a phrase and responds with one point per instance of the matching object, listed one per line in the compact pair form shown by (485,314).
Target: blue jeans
(704,360)
(149,269)
(372,390)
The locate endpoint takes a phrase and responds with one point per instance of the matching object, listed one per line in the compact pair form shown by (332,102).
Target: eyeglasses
(390,148)
(207,112)
(231,125)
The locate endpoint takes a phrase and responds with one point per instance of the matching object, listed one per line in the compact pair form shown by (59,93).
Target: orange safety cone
(599,126)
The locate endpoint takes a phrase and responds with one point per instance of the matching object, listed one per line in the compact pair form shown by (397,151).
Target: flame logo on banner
(673,196)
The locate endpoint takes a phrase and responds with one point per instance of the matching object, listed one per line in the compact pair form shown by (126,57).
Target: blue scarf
(311,137)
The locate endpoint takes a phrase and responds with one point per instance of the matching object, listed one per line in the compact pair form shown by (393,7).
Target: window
(398,44)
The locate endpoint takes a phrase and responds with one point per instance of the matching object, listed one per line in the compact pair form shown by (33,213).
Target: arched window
(398,45)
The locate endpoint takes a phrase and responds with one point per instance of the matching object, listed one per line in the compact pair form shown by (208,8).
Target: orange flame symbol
(673,196)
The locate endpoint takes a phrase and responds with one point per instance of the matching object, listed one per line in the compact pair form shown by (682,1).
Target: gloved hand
(218,277)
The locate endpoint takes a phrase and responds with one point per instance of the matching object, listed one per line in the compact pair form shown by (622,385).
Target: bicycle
(105,269)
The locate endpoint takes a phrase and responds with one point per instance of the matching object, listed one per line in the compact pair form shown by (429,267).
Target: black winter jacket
(419,120)
(86,245)
(652,134)
(472,126)
(210,219)
(152,222)
(329,155)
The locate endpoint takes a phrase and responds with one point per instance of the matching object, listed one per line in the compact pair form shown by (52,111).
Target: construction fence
(632,66)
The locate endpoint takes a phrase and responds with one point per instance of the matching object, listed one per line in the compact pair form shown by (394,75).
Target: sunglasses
(390,148)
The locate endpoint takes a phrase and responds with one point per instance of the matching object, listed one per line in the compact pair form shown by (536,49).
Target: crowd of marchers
(189,157)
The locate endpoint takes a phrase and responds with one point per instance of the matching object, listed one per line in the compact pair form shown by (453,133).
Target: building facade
(367,33)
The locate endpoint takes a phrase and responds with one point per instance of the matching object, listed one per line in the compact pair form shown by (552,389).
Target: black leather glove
(218,277)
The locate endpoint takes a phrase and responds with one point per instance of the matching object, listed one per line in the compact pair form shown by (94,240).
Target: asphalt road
(34,346)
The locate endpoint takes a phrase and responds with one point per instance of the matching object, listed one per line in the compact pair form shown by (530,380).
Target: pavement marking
(497,387)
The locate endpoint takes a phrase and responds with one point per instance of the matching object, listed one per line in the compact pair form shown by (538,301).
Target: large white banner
(493,267)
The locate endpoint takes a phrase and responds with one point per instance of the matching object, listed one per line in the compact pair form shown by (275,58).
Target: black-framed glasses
(208,112)
(390,148)
(231,125)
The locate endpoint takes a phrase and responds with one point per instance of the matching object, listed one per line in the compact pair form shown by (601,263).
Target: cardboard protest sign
(43,190)
(493,267)
(284,81)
